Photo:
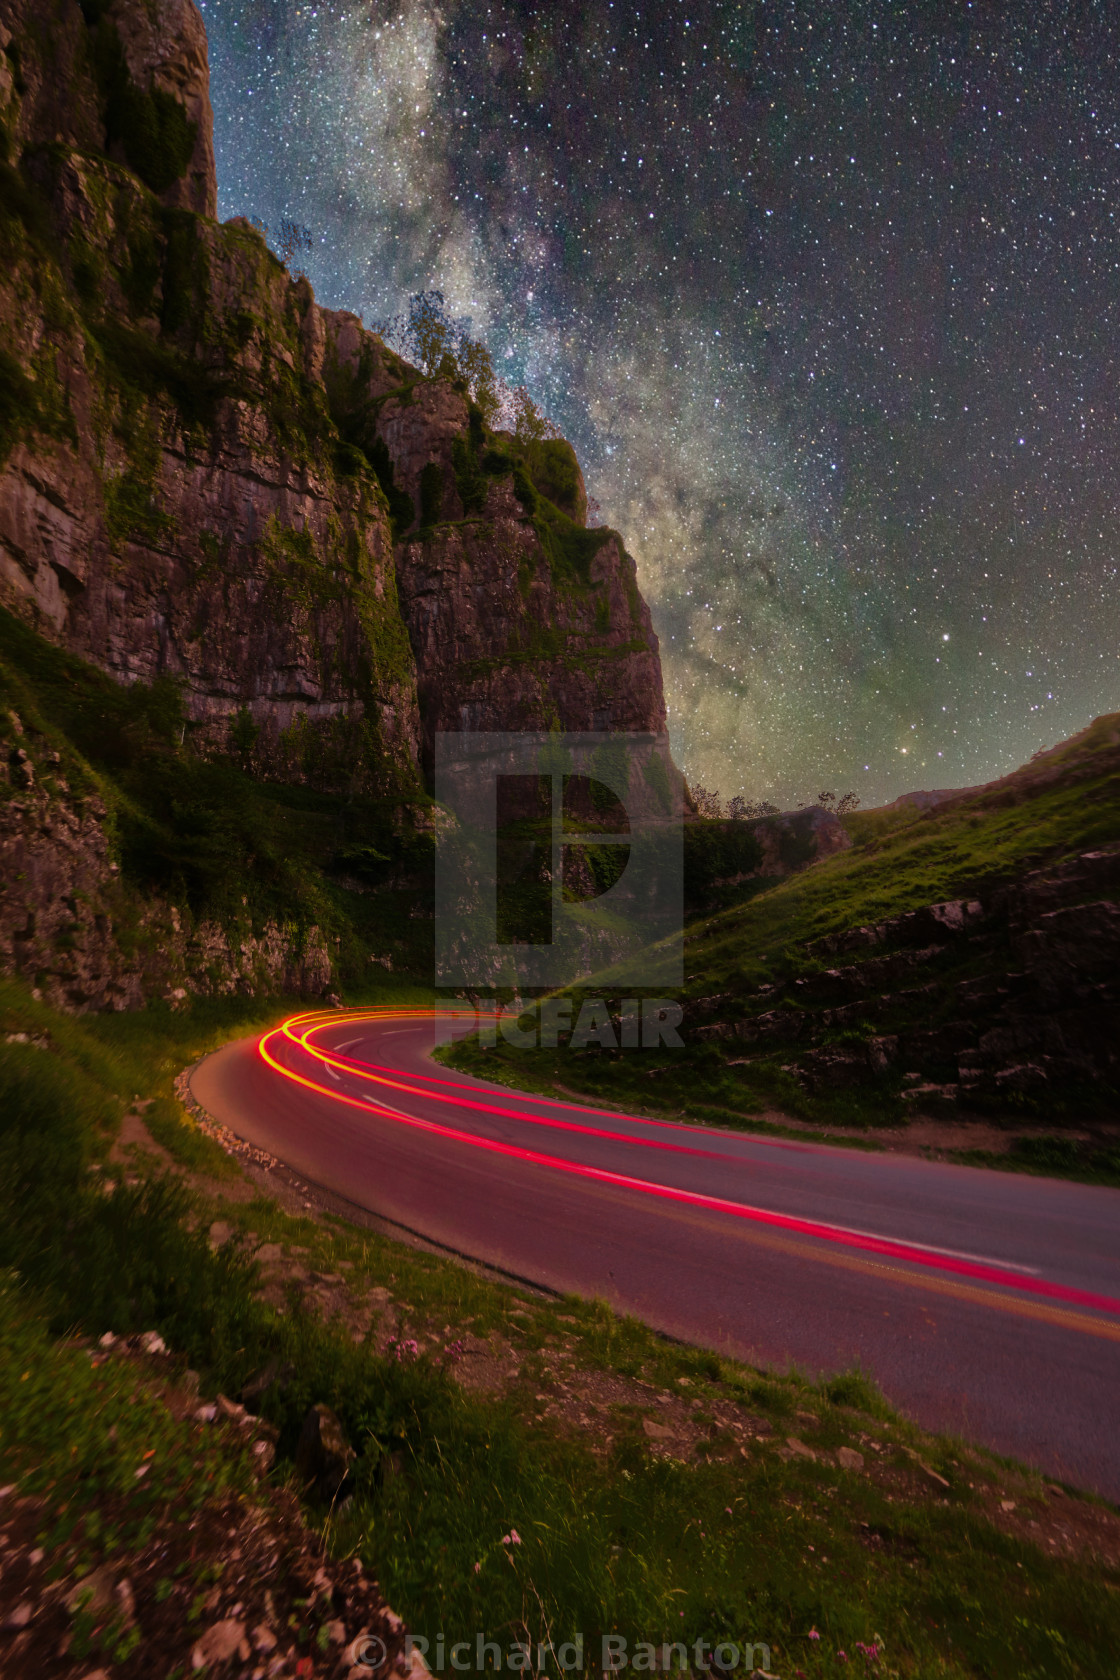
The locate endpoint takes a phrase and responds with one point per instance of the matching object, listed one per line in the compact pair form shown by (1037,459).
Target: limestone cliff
(206,477)
(202,461)
(174,499)
(519,617)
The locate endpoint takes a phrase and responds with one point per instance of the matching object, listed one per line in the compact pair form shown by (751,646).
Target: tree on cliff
(707,804)
(529,424)
(477,368)
(848,802)
(426,334)
(740,809)
(291,239)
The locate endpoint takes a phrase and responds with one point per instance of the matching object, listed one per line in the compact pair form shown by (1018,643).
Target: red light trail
(299,1031)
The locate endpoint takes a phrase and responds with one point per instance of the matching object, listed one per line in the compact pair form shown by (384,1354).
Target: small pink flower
(843,1655)
(512,1538)
(813,1634)
(477,1567)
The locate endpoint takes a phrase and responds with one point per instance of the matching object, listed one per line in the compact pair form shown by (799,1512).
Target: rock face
(202,462)
(67,918)
(205,476)
(519,617)
(323,1454)
(174,498)
(165,51)
(503,642)
(1009,1000)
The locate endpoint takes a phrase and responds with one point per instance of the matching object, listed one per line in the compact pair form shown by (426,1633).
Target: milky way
(827,297)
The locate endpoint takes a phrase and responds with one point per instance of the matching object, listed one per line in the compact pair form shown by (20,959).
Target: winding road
(985,1304)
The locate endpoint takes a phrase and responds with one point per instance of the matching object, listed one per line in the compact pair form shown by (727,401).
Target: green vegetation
(401,509)
(1053,1156)
(18,403)
(298,568)
(770,1544)
(106,1458)
(470,480)
(718,852)
(900,860)
(569,548)
(201,832)
(131,506)
(555,472)
(136,365)
(31,403)
(903,859)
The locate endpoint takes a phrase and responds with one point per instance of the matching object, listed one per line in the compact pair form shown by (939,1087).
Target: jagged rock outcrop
(114,76)
(519,617)
(502,643)
(165,51)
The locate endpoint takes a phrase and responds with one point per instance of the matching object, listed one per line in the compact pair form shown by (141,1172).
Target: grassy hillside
(749,969)
(1065,802)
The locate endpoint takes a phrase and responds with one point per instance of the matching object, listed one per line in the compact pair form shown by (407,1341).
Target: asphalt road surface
(985,1304)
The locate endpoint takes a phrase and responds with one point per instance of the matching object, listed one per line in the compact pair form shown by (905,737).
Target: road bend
(985,1304)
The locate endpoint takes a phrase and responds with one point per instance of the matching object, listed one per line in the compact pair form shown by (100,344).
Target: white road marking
(845,1230)
(926,1248)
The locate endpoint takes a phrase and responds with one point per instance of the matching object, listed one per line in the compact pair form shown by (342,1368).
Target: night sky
(827,296)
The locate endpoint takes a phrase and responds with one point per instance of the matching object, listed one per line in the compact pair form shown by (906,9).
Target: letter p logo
(557,855)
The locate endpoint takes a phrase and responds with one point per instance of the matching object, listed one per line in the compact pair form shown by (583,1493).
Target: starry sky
(827,296)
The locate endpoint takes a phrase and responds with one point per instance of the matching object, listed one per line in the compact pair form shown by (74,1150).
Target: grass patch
(184,1142)
(1051,1157)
